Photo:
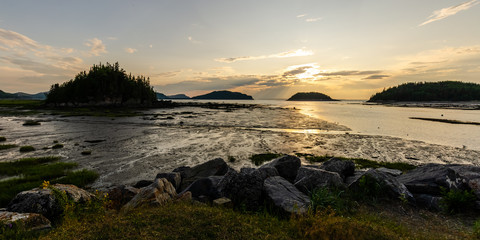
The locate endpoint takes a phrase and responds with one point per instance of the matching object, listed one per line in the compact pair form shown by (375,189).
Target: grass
(20,103)
(31,123)
(3,139)
(259,159)
(29,173)
(359,162)
(26,149)
(457,201)
(7,146)
(57,146)
(87,152)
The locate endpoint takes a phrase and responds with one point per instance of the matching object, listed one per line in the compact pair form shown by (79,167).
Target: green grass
(26,149)
(3,139)
(359,162)
(259,159)
(29,173)
(7,146)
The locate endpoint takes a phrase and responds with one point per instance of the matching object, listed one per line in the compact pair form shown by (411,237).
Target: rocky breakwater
(283,185)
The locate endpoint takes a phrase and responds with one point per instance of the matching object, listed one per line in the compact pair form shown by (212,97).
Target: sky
(270,49)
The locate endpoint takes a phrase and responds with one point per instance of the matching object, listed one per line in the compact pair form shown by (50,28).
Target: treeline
(103,84)
(430,91)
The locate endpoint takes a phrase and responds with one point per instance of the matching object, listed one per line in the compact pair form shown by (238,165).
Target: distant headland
(310,96)
(224,95)
(429,91)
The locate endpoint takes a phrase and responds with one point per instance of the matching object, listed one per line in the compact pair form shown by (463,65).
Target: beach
(125,150)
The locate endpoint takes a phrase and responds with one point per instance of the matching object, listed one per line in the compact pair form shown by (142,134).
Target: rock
(287,166)
(142,183)
(389,185)
(244,189)
(174,178)
(283,195)
(215,167)
(393,172)
(429,178)
(120,195)
(31,221)
(344,168)
(158,193)
(43,201)
(206,187)
(223,202)
(310,178)
(470,175)
(184,197)
(358,174)
(428,201)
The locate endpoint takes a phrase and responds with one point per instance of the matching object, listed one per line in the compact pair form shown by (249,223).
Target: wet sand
(136,148)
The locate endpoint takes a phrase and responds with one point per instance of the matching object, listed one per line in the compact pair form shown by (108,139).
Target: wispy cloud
(301,15)
(378,76)
(130,50)
(192,40)
(449,11)
(349,73)
(96,46)
(313,19)
(292,53)
(13,40)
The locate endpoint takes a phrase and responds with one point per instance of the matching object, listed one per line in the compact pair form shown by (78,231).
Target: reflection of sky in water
(395,121)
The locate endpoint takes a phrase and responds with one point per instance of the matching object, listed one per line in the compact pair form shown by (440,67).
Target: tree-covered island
(429,91)
(104,84)
(310,96)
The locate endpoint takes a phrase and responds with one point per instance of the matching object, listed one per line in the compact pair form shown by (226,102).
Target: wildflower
(45,184)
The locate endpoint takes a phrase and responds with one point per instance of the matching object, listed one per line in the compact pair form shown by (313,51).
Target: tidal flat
(124,150)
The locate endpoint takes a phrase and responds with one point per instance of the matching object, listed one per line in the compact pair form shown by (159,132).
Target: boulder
(310,178)
(158,193)
(430,178)
(184,197)
(142,183)
(174,178)
(244,188)
(215,167)
(31,221)
(205,188)
(393,172)
(223,202)
(43,201)
(284,196)
(344,168)
(428,201)
(389,186)
(121,195)
(470,175)
(287,166)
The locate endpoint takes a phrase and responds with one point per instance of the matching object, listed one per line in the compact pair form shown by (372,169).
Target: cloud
(96,46)
(190,38)
(130,50)
(296,71)
(313,19)
(379,76)
(292,53)
(349,73)
(301,15)
(449,11)
(16,40)
(167,74)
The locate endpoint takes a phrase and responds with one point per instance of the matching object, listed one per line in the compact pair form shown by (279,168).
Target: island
(21,95)
(450,91)
(310,96)
(224,95)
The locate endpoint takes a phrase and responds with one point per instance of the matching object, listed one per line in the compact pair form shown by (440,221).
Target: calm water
(394,121)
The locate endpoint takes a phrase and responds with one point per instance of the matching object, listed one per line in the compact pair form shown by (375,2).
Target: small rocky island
(224,95)
(310,96)
(450,91)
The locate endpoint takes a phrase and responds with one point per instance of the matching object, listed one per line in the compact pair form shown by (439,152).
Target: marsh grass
(7,146)
(3,139)
(57,146)
(86,152)
(26,149)
(31,123)
(259,159)
(457,201)
(31,172)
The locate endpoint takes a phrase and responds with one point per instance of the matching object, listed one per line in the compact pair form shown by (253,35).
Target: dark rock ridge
(176,96)
(310,96)
(224,95)
(21,95)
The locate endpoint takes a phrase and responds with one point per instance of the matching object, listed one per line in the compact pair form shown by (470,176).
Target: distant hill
(310,96)
(161,96)
(430,91)
(178,96)
(224,95)
(21,95)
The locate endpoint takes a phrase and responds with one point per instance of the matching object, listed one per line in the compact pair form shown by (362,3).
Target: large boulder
(205,188)
(287,166)
(385,184)
(430,178)
(428,201)
(215,167)
(158,193)
(470,175)
(175,178)
(121,195)
(284,196)
(344,168)
(244,188)
(44,202)
(310,178)
(31,221)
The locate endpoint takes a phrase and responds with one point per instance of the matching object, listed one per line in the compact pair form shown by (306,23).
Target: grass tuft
(3,139)
(259,159)
(87,152)
(7,146)
(31,123)
(27,149)
(57,146)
